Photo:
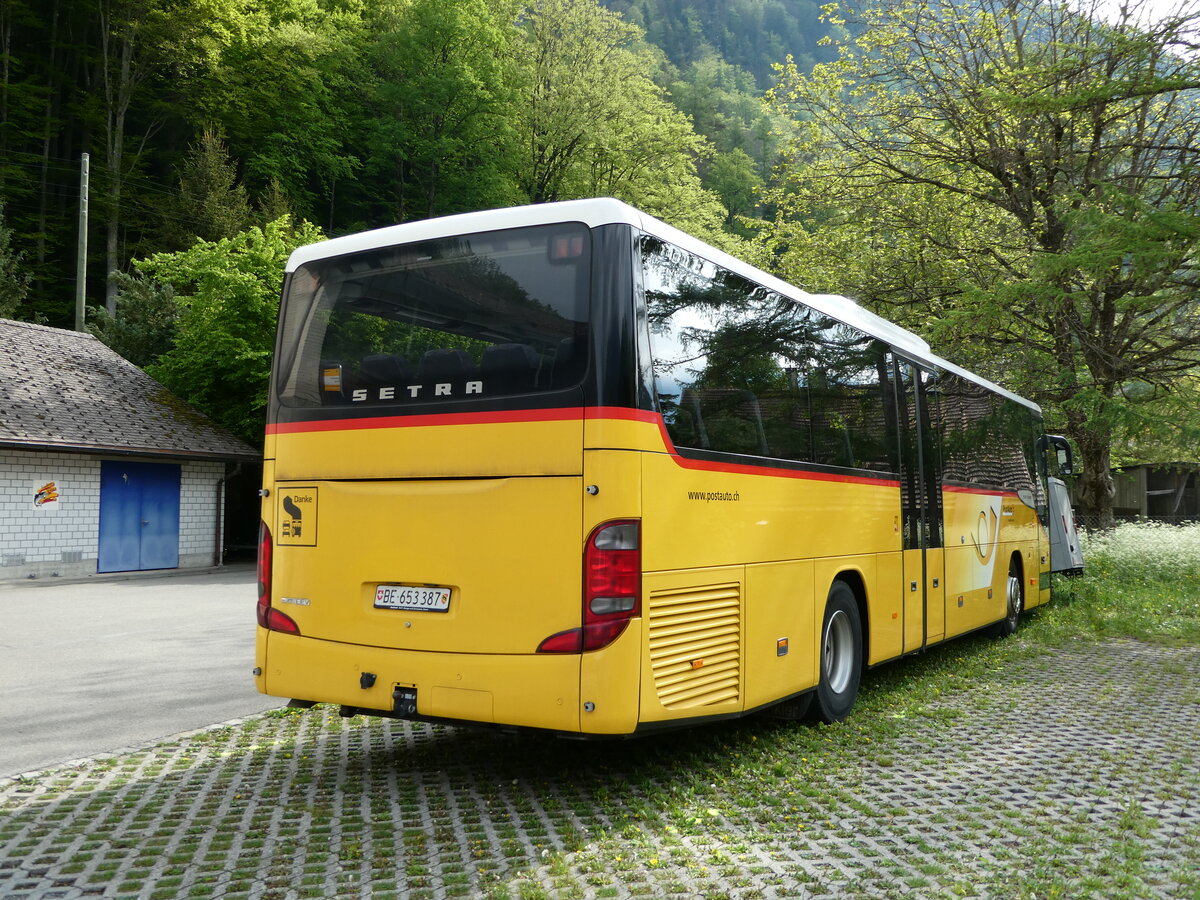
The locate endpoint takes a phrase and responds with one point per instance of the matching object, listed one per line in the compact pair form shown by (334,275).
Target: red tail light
(264,571)
(612,588)
(268,616)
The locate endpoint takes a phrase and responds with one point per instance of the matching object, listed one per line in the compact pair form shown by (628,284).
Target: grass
(1140,581)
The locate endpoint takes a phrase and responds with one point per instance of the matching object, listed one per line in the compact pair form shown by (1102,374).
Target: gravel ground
(1073,774)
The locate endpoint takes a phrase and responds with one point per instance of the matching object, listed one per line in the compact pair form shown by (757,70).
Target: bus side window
(733,420)
(688,428)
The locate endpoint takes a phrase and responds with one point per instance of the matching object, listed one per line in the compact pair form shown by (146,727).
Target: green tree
(14,281)
(228,291)
(273,203)
(1023,179)
(438,134)
(725,106)
(285,88)
(733,178)
(115,79)
(593,122)
(751,34)
(212,203)
(146,321)
(576,61)
(350,113)
(142,44)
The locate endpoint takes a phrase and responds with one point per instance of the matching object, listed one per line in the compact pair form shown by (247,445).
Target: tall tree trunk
(1096,484)
(52,99)
(6,54)
(117,98)
(112,242)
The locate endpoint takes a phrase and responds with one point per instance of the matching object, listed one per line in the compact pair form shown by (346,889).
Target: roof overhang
(103,450)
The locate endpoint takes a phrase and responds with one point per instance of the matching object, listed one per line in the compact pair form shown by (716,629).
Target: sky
(1152,9)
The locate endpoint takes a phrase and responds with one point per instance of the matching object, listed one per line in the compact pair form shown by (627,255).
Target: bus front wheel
(841,656)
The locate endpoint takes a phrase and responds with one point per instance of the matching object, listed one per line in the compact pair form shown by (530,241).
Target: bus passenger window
(741,369)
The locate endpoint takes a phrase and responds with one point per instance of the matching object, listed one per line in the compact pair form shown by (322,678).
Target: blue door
(139,516)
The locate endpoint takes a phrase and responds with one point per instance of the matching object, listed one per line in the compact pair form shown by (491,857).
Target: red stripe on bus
(703,465)
(592,413)
(565,414)
(620,412)
(775,472)
(484,418)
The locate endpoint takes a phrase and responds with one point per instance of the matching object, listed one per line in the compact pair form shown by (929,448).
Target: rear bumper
(535,691)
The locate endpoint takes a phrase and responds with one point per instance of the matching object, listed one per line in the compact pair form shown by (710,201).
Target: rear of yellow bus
(436,542)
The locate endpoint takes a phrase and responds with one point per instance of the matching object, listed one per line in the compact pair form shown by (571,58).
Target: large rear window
(503,313)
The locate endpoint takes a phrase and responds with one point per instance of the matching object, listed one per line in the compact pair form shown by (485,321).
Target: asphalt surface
(97,665)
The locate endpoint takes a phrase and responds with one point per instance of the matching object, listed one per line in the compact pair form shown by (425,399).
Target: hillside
(749,34)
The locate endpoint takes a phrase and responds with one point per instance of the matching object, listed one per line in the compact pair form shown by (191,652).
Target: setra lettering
(414,391)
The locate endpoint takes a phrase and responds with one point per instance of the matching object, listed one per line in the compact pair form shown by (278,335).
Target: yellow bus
(565,467)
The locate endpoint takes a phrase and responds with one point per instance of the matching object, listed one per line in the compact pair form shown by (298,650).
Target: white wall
(199,543)
(60,537)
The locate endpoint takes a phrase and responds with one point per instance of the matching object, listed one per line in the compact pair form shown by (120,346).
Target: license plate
(406,596)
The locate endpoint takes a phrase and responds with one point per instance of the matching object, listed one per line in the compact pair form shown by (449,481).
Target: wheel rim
(1014,598)
(838,651)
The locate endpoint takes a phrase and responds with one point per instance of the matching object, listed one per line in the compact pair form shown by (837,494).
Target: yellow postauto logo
(987,532)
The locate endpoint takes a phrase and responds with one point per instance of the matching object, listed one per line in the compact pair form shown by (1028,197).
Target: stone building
(101,468)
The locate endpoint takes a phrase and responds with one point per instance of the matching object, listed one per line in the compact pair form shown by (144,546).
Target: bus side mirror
(1062,452)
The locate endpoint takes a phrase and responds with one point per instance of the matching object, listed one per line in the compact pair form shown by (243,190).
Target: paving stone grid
(1073,775)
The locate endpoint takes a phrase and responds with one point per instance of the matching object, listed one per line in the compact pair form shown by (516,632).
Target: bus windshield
(501,313)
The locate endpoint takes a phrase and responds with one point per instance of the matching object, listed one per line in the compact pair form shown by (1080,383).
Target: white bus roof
(607,211)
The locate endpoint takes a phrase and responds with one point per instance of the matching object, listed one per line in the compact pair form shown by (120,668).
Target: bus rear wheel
(841,656)
(1016,602)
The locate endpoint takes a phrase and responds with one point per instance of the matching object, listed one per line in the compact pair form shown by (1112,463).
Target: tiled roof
(66,390)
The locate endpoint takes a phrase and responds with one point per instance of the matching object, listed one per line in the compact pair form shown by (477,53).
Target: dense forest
(201,118)
(1017,181)
(753,35)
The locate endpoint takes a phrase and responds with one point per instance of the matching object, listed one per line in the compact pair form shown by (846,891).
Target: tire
(841,656)
(1015,602)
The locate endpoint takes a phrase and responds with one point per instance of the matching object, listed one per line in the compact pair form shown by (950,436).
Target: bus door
(921,509)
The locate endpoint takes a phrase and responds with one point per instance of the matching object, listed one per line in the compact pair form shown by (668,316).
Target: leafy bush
(228,296)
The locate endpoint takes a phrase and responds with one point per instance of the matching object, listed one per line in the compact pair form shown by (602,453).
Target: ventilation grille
(695,645)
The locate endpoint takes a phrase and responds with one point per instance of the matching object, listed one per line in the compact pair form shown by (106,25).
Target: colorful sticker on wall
(45,494)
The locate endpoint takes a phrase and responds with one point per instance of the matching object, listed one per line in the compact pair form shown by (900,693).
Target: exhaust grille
(695,645)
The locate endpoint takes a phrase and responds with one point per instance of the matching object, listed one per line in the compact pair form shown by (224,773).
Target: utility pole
(81,259)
